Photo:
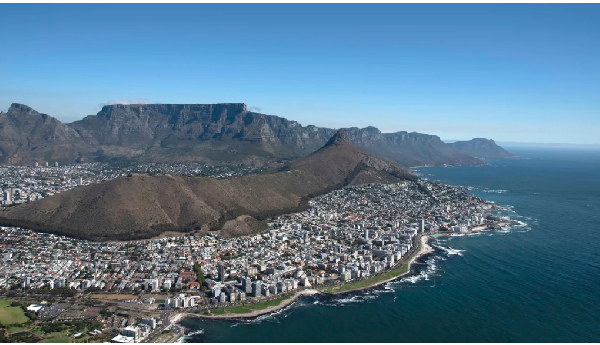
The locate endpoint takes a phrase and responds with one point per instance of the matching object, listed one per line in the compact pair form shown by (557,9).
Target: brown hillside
(143,206)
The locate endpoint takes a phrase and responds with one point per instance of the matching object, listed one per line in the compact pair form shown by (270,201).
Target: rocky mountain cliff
(409,149)
(211,133)
(482,148)
(27,136)
(143,206)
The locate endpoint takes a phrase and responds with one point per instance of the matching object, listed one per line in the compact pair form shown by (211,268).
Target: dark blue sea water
(534,283)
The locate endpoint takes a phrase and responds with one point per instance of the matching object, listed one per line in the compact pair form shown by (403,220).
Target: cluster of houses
(21,184)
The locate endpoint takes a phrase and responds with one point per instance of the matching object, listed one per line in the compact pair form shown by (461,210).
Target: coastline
(424,249)
(175,318)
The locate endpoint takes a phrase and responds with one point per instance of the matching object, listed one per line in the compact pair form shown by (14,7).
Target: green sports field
(11,315)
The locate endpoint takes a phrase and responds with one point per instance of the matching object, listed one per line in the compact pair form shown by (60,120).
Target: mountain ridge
(212,133)
(481,148)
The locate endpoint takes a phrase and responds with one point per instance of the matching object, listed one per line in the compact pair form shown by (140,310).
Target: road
(165,324)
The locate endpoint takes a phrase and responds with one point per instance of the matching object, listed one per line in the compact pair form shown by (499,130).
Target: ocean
(539,282)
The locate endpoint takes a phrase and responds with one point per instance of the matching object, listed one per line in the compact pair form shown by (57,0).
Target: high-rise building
(421,225)
(150,321)
(246,285)
(25,282)
(366,235)
(60,283)
(132,332)
(7,197)
(256,289)
(221,271)
(281,287)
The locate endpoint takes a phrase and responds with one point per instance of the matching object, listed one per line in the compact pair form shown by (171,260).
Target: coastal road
(166,323)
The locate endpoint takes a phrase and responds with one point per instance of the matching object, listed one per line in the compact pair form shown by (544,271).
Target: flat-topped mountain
(211,133)
(197,132)
(143,206)
(482,148)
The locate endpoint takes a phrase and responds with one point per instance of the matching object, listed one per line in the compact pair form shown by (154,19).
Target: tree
(31,316)
(199,274)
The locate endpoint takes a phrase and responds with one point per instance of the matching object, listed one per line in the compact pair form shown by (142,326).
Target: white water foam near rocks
(189,335)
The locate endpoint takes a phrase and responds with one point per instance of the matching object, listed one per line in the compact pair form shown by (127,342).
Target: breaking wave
(449,250)
(426,274)
(198,332)
(496,191)
(523,223)
(190,335)
(360,297)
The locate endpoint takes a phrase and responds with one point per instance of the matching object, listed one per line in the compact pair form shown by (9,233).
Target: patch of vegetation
(57,340)
(15,329)
(3,337)
(248,308)
(52,327)
(256,225)
(164,337)
(199,275)
(24,337)
(11,314)
(58,337)
(229,256)
(51,332)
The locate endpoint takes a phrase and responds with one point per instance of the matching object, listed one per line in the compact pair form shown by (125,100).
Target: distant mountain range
(144,206)
(211,133)
(481,148)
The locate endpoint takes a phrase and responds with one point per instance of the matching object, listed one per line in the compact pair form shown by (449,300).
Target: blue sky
(528,73)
